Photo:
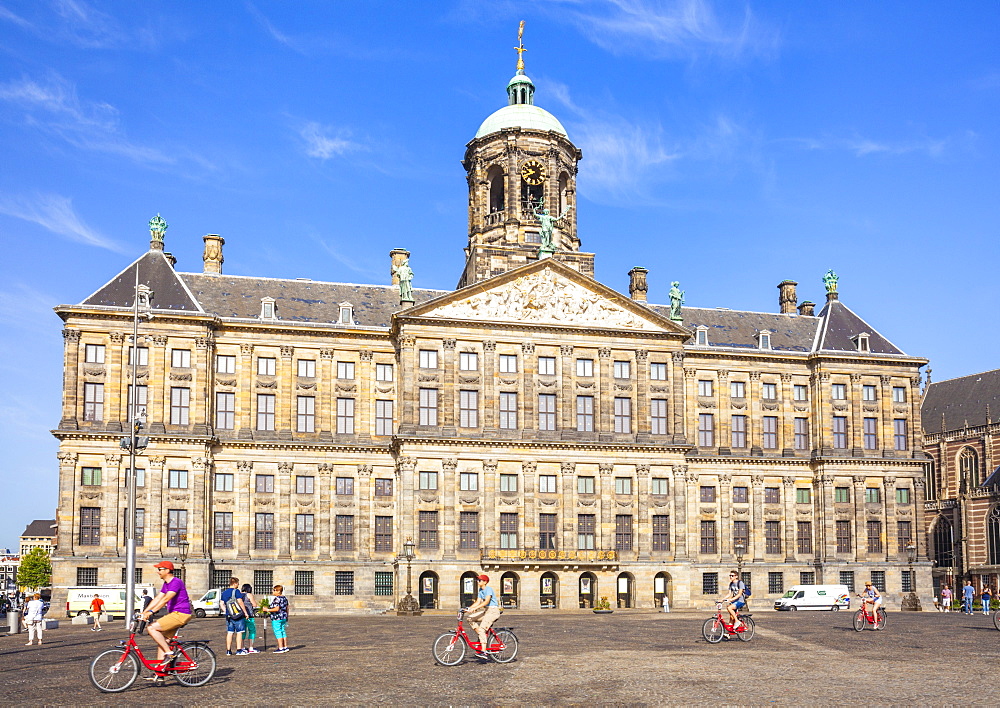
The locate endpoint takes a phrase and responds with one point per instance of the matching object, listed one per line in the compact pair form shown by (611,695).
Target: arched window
(944,543)
(993,536)
(497,200)
(968,469)
(563,192)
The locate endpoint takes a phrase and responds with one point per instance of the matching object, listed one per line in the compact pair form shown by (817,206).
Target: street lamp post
(182,552)
(409,605)
(911,601)
(739,548)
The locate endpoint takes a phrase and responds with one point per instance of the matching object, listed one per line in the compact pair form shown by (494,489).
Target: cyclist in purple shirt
(174,596)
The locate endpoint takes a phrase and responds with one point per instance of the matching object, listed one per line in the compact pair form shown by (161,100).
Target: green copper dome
(524,116)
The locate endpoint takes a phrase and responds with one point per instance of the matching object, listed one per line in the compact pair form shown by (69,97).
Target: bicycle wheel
(880,619)
(747,635)
(509,651)
(112,672)
(996,619)
(713,630)
(859,620)
(196,664)
(449,649)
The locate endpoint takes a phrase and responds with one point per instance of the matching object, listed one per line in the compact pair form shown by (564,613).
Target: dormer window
(267,309)
(701,336)
(346,313)
(862,341)
(764,339)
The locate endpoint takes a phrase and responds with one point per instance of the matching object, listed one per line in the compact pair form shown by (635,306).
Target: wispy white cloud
(326,142)
(351,264)
(8,16)
(277,35)
(55,213)
(863,146)
(25,308)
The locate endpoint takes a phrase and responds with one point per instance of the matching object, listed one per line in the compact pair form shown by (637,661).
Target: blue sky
(729,146)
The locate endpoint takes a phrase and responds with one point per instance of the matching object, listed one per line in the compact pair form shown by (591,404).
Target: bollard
(13,621)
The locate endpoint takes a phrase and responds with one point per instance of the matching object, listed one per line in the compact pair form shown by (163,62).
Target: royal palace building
(572,441)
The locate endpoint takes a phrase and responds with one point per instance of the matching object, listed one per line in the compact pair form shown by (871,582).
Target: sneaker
(481,655)
(228,653)
(281,651)
(93,629)
(251,650)
(242,652)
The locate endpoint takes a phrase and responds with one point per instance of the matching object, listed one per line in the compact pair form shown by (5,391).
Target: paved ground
(565,658)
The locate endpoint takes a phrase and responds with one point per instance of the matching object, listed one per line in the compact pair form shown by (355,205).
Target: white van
(815,597)
(209,604)
(78,599)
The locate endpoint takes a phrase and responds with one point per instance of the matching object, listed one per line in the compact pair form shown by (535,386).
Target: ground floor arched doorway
(548,591)
(510,587)
(625,590)
(661,589)
(468,589)
(427,590)
(587,590)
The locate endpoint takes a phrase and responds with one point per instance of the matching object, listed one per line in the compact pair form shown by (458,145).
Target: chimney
(807,309)
(212,256)
(171,258)
(637,284)
(397,256)
(787,297)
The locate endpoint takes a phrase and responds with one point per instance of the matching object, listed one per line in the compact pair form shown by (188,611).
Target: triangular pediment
(546,293)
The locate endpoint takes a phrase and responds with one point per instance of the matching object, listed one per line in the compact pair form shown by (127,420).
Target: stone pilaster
(326,410)
(679,530)
(245,402)
(786,420)
(284,520)
(642,528)
(861,538)
(156,514)
(677,381)
(286,408)
(527,369)
(567,404)
(568,487)
(490,399)
(855,426)
(242,486)
(448,401)
(606,515)
(324,529)
(115,403)
(202,386)
(72,396)
(200,522)
(755,543)
(407,491)
(158,391)
(364,530)
(892,553)
(449,506)
(641,424)
(788,493)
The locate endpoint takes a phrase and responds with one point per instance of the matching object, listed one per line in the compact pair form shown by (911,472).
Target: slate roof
(735,328)
(42,528)
(962,401)
(155,271)
(840,324)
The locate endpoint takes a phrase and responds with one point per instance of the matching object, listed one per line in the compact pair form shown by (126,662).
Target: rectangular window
(706,494)
(180,358)
(871,433)
(847,578)
(468,530)
(658,416)
(220,577)
(304,532)
(139,401)
(90,477)
(343,582)
(623,369)
(428,480)
(546,411)
(874,536)
(225,364)
(772,537)
(266,365)
(770,430)
(803,537)
(776,583)
(263,582)
(547,365)
(93,402)
(899,394)
(842,495)
(508,363)
(303,582)
(800,392)
(468,361)
(383,487)
(140,529)
(428,403)
(428,359)
(223,482)
(307,368)
(907,581)
(623,485)
(222,532)
(508,410)
(741,537)
(93,353)
(345,416)
(708,544)
(839,432)
(428,529)
(90,526)
(657,371)
(769,391)
(383,533)
(803,495)
(344,533)
(585,413)
(383,417)
(180,405)
(547,483)
(838,392)
(661,532)
(709,583)
(177,479)
(468,481)
(705,387)
(143,356)
(706,430)
(86,577)
(584,367)
(772,495)
(547,527)
(383,583)
(585,485)
(304,484)
(345,370)
(305,419)
(739,431)
(383,372)
(344,486)
(176,526)
(904,535)
(225,411)
(468,409)
(741,495)
(867,393)
(873,495)
(265,411)
(899,434)
(623,415)
(585,528)
(903,495)
(508,482)
(807,577)
(660,486)
(737,389)
(508,531)
(264,483)
(843,536)
(878,580)
(623,532)
(801,430)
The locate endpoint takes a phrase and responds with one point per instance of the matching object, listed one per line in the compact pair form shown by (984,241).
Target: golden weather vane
(520,47)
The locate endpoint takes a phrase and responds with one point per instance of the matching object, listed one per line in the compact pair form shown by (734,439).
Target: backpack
(233,608)
(746,592)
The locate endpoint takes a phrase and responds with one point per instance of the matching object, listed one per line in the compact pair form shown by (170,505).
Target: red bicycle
(115,670)
(863,618)
(715,628)
(449,648)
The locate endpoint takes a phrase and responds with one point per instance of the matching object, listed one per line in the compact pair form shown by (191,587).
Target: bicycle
(449,648)
(996,619)
(115,670)
(863,618)
(715,628)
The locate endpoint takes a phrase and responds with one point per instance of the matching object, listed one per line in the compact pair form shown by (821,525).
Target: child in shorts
(279,618)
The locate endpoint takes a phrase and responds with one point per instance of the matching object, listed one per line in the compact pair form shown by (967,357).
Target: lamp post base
(409,606)
(911,603)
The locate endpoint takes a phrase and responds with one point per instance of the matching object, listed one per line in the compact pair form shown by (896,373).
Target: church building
(569,440)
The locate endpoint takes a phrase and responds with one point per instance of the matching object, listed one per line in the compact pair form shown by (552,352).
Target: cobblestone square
(565,658)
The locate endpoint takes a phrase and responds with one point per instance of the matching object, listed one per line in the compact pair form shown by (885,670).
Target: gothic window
(993,536)
(968,466)
(944,556)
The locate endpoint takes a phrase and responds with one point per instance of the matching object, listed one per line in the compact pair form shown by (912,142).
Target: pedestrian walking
(278,608)
(146,599)
(236,614)
(968,593)
(986,596)
(251,604)
(666,603)
(945,598)
(96,608)
(34,619)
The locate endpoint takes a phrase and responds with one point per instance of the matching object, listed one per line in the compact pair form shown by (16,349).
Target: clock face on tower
(533,172)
